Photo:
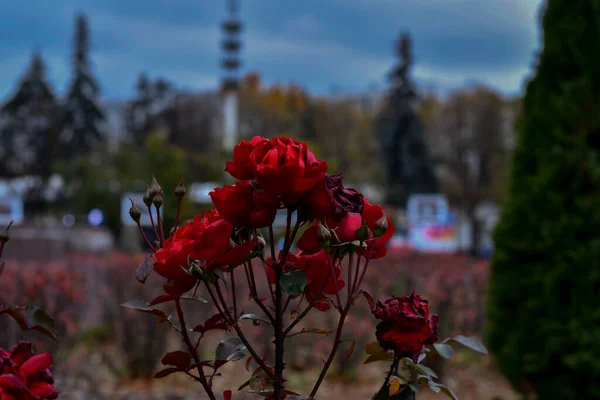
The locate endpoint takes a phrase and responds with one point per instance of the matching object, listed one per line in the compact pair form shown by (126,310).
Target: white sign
(11,209)
(199,192)
(138,199)
(427,208)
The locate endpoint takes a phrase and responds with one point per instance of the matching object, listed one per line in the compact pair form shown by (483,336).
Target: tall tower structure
(230,63)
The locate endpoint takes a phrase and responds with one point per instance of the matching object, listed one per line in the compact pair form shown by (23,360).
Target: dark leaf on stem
(214,322)
(144,269)
(165,372)
(194,298)
(143,306)
(293,282)
(161,299)
(315,330)
(349,352)
(33,318)
(369,298)
(254,319)
(179,359)
(230,349)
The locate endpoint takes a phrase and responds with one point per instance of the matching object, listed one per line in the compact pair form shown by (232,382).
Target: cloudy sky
(318,44)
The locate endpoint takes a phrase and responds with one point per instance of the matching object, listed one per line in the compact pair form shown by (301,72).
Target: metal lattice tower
(230,63)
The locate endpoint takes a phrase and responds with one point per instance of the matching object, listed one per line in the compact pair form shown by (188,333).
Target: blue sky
(315,43)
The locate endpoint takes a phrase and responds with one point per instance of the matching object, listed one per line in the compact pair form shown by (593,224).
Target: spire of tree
(83,118)
(27,124)
(148,111)
(405,152)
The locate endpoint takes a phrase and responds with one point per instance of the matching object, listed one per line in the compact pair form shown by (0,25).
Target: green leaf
(293,282)
(143,306)
(373,347)
(195,298)
(379,357)
(444,350)
(230,349)
(428,371)
(32,318)
(471,342)
(437,387)
(315,330)
(253,318)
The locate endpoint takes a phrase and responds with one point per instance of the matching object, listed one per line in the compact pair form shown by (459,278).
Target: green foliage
(544,298)
(100,180)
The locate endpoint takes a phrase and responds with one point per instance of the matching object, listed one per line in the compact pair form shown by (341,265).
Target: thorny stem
(278,384)
(356,270)
(192,350)
(393,368)
(227,316)
(255,297)
(161,232)
(349,283)
(362,276)
(152,222)
(336,344)
(337,289)
(178,215)
(233,295)
(144,236)
(309,307)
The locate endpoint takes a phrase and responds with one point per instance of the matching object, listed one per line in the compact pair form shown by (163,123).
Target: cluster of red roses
(25,375)
(276,174)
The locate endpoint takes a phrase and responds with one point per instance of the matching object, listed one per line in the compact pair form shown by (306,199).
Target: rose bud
(362,233)
(380,227)
(154,187)
(180,189)
(134,212)
(157,200)
(4,235)
(323,235)
(148,197)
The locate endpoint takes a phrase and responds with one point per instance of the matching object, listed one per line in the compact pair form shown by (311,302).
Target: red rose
(316,267)
(241,205)
(329,198)
(285,167)
(406,326)
(344,231)
(206,239)
(25,375)
(372,216)
(241,167)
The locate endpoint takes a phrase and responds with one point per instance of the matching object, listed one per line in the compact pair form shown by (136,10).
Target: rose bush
(216,253)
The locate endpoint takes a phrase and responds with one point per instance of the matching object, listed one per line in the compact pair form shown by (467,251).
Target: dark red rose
(241,205)
(316,267)
(372,214)
(344,230)
(25,375)
(241,167)
(406,326)
(285,167)
(329,198)
(206,239)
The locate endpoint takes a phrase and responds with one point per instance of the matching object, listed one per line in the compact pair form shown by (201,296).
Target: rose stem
(193,352)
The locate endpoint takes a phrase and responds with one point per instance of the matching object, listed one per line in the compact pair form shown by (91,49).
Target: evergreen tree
(28,125)
(544,295)
(147,112)
(405,153)
(83,118)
